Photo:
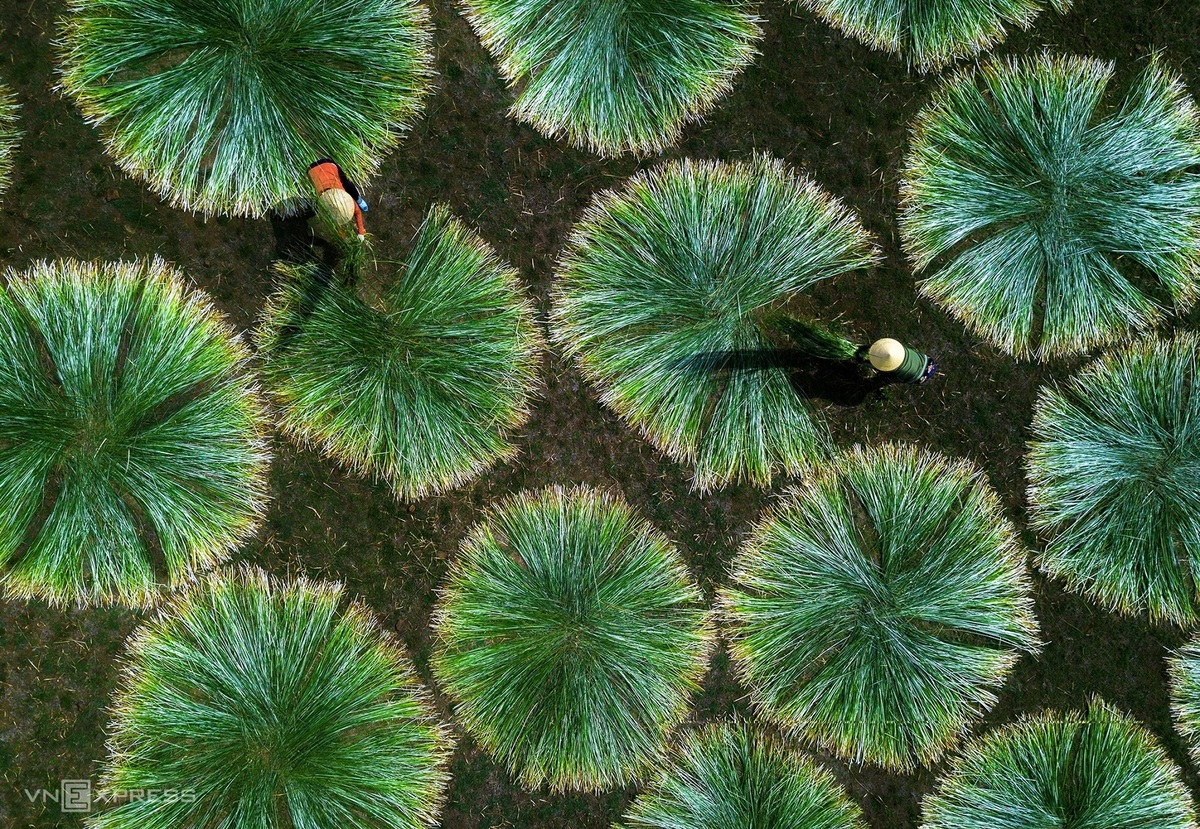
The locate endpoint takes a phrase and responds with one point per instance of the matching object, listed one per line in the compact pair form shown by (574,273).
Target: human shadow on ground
(841,382)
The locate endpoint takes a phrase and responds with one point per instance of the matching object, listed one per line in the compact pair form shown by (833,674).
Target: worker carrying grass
(893,360)
(338,199)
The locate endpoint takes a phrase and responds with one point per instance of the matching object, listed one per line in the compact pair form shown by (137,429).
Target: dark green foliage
(880,606)
(616,76)
(221,105)
(661,293)
(1053,218)
(423,391)
(130,448)
(274,706)
(930,33)
(1102,771)
(729,777)
(1114,478)
(571,637)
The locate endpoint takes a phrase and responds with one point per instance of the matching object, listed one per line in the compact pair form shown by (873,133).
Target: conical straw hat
(338,205)
(886,354)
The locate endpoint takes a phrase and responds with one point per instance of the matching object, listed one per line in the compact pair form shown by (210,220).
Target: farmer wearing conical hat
(337,196)
(892,358)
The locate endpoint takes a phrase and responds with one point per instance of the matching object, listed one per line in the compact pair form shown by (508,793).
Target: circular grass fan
(131,448)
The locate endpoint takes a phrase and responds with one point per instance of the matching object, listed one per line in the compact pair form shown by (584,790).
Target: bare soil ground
(820,101)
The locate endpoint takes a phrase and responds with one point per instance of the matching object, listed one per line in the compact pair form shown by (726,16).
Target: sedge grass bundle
(616,76)
(424,391)
(810,338)
(221,105)
(930,33)
(1184,670)
(571,638)
(664,285)
(249,702)
(131,449)
(877,610)
(1114,478)
(1100,769)
(1051,217)
(728,775)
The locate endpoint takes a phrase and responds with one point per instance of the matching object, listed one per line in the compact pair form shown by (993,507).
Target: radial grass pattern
(667,282)
(130,434)
(879,607)
(616,76)
(9,134)
(929,33)
(1114,472)
(1099,770)
(571,637)
(727,775)
(1052,219)
(423,391)
(279,704)
(221,105)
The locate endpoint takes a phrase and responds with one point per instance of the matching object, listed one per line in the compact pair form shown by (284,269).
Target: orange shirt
(326,177)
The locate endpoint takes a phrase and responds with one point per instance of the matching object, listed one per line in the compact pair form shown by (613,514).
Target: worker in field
(892,359)
(338,200)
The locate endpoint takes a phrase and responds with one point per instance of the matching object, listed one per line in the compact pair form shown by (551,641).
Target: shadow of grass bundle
(9,135)
(878,608)
(616,76)
(728,775)
(1114,478)
(1051,217)
(668,278)
(423,391)
(275,705)
(221,105)
(130,433)
(1102,769)
(930,33)
(571,638)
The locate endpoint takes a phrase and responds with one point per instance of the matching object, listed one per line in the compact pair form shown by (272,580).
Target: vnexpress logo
(78,796)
